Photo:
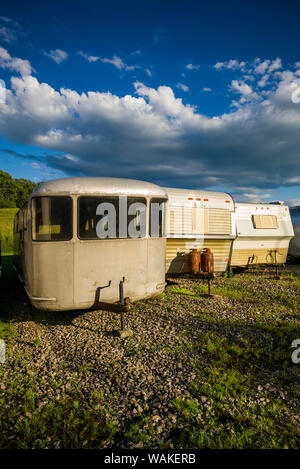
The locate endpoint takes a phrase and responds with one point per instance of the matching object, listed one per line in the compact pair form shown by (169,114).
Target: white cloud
(255,196)
(115,61)
(182,87)
(252,69)
(120,65)
(192,67)
(10,21)
(57,55)
(293,202)
(206,89)
(263,81)
(266,66)
(89,58)
(231,64)
(136,53)
(245,90)
(275,65)
(219,65)
(262,67)
(7,34)
(9,30)
(14,64)
(152,134)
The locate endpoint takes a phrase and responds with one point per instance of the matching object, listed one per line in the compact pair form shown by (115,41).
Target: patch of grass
(226,410)
(228,273)
(28,422)
(188,409)
(7,216)
(37,342)
(235,423)
(230,415)
(235,290)
(287,275)
(7,330)
(257,347)
(142,432)
(182,291)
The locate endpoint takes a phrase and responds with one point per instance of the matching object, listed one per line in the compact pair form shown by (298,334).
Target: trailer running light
(198,198)
(190,198)
(227,201)
(205,200)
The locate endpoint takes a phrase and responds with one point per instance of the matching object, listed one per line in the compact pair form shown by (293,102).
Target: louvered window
(217,221)
(265,221)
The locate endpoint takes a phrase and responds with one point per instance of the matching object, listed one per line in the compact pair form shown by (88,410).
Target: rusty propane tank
(207,261)
(194,261)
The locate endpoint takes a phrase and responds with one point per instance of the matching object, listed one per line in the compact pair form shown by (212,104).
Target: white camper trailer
(198,220)
(63,261)
(263,233)
(294,248)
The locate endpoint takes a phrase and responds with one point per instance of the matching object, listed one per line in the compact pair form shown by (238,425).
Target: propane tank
(207,261)
(194,261)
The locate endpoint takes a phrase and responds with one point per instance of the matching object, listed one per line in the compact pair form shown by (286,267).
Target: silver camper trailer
(294,248)
(198,220)
(263,233)
(60,257)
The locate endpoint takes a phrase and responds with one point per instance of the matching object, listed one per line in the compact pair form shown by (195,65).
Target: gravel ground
(141,377)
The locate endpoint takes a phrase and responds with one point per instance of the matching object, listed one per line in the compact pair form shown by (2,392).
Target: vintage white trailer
(62,260)
(263,233)
(294,248)
(198,219)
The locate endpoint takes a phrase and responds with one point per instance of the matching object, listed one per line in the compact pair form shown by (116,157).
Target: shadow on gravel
(15,304)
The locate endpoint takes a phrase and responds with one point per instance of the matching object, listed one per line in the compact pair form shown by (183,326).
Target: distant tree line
(14,192)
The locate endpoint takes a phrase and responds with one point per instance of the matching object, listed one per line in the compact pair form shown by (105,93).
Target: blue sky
(185,94)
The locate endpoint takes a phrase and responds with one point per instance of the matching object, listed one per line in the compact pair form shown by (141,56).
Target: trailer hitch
(122,306)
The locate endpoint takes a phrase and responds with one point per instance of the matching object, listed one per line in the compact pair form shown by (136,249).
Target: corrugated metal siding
(180,220)
(263,256)
(219,221)
(221,251)
(197,220)
(177,250)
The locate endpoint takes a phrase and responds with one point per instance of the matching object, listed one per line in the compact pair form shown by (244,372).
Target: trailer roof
(98,185)
(279,207)
(197,192)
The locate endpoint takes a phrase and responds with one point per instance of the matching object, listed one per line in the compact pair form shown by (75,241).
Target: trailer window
(265,221)
(156,218)
(51,218)
(111,217)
